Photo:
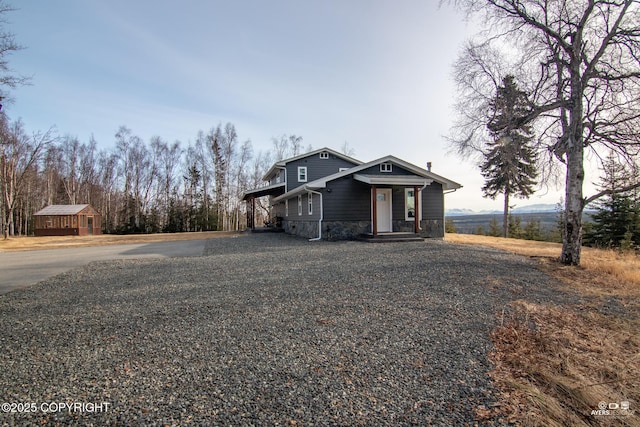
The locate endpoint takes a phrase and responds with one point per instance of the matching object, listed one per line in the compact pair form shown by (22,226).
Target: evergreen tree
(509,166)
(616,220)
(449,226)
(515,227)
(494,228)
(533,230)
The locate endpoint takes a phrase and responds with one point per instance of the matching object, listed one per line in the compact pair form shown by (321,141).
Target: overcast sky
(373,73)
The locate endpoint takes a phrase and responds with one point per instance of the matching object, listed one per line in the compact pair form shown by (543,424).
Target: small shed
(68,220)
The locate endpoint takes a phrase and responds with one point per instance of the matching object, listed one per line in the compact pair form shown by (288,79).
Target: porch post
(253,213)
(251,208)
(416,210)
(374,207)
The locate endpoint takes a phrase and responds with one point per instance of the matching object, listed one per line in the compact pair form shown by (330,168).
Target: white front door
(383,210)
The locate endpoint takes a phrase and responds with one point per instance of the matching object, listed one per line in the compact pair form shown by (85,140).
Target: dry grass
(14,244)
(554,364)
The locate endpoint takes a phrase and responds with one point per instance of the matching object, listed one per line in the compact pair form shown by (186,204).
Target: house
(327,195)
(67,220)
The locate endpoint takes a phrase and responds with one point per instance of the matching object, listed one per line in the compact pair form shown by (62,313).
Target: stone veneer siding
(430,228)
(351,230)
(308,229)
(345,230)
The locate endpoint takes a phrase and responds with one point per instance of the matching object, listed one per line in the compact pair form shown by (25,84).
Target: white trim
(386,167)
(286,207)
(310,203)
(324,155)
(321,215)
(282,163)
(392,180)
(385,191)
(419,198)
(299,204)
(322,182)
(304,170)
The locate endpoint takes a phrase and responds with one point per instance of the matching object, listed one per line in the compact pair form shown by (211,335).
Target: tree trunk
(574,205)
(574,152)
(505,217)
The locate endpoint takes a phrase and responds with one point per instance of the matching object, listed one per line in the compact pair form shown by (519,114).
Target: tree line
(138,186)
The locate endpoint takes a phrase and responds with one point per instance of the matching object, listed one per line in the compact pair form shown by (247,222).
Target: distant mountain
(460,212)
(536,208)
(540,207)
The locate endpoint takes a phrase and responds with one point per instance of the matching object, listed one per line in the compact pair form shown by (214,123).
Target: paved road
(21,269)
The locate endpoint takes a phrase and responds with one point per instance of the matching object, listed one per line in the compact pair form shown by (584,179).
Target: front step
(391,237)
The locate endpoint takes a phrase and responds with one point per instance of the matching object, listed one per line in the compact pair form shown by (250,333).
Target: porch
(390,215)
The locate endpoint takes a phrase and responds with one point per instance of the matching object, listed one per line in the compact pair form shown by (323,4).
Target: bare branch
(609,192)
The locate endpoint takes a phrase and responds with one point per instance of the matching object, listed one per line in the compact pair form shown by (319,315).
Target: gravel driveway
(265,329)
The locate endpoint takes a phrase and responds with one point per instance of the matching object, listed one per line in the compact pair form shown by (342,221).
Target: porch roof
(411,180)
(269,190)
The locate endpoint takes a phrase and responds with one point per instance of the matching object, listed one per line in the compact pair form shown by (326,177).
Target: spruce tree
(615,222)
(509,165)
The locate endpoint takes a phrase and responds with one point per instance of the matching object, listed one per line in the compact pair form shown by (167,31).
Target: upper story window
(324,155)
(302,174)
(386,167)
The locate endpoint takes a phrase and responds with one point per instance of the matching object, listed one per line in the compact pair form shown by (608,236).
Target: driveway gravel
(264,329)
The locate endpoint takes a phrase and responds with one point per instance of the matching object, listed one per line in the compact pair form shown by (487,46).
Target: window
(302,174)
(410,204)
(310,202)
(342,169)
(386,167)
(324,155)
(300,204)
(286,207)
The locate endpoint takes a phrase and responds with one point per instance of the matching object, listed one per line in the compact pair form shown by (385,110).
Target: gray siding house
(327,195)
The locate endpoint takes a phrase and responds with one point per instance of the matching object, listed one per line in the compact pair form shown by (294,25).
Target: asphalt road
(21,269)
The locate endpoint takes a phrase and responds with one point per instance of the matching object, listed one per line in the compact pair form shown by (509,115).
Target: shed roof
(61,210)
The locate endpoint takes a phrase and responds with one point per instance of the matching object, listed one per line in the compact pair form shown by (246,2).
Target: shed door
(90,224)
(383,210)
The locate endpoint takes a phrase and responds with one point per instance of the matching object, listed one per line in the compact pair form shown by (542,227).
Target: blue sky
(375,74)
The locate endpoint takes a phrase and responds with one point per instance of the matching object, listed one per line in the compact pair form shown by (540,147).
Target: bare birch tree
(8,45)
(19,153)
(580,61)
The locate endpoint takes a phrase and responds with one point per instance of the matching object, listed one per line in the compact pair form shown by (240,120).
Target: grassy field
(554,364)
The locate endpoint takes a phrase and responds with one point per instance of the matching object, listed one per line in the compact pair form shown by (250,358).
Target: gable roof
(283,163)
(429,177)
(61,210)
